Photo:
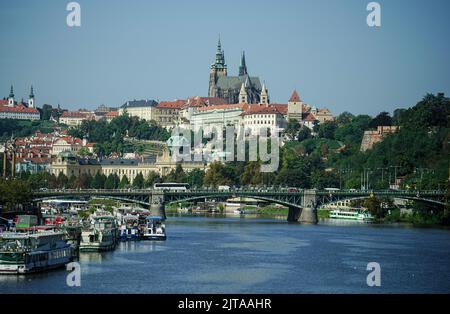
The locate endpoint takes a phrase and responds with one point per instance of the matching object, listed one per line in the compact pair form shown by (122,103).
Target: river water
(257,255)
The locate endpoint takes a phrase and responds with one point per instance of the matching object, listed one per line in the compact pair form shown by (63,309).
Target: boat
(351,215)
(100,235)
(238,211)
(154,229)
(22,253)
(129,230)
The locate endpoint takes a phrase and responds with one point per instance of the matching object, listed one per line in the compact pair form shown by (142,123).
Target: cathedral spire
(11,93)
(31,92)
(243,66)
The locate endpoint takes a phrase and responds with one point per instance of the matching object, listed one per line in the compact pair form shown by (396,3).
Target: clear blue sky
(163,49)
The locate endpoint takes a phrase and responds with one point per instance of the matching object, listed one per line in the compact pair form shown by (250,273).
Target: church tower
(264,97)
(243,97)
(218,69)
(11,97)
(243,66)
(31,98)
(295,107)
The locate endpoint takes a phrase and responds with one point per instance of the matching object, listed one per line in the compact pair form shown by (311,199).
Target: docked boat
(129,230)
(22,253)
(154,229)
(351,215)
(100,235)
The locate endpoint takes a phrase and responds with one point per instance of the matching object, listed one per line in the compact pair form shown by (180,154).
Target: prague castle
(228,87)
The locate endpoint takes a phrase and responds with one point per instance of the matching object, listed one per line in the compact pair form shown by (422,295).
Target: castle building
(229,87)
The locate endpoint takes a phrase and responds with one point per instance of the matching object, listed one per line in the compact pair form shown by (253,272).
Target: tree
(304,134)
(139,181)
(124,182)
(382,119)
(217,175)
(112,181)
(62,180)
(373,205)
(252,174)
(99,181)
(327,130)
(292,129)
(195,177)
(152,178)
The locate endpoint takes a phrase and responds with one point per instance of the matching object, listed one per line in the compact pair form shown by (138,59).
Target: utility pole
(395,174)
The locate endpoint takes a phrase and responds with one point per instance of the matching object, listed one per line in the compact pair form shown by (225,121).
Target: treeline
(23,128)
(46,180)
(110,136)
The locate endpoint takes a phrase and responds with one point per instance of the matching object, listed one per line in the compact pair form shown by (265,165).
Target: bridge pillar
(293,214)
(309,204)
(157,206)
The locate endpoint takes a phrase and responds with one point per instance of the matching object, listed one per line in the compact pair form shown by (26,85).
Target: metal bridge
(302,204)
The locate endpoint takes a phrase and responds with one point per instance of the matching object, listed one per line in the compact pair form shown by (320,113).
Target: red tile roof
(112,114)
(294,97)
(176,104)
(261,109)
(224,106)
(198,101)
(74,114)
(19,108)
(309,117)
(3,102)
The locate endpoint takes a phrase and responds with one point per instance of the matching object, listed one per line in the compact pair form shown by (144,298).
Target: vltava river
(234,255)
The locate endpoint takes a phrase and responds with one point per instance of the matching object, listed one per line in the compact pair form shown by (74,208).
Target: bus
(171,186)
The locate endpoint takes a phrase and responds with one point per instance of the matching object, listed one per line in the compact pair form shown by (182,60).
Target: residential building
(75,118)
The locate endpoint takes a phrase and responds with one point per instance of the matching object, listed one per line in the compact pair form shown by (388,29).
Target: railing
(239,191)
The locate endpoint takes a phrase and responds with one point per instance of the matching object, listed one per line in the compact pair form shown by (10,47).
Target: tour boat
(22,253)
(101,235)
(154,229)
(129,229)
(350,215)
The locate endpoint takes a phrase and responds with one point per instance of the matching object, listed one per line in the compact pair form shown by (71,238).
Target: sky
(163,49)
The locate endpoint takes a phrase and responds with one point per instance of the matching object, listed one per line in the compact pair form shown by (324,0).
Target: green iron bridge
(302,204)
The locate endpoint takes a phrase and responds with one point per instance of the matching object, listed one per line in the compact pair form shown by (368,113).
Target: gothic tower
(243,66)
(218,69)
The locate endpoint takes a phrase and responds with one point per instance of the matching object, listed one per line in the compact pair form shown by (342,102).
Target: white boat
(154,229)
(101,235)
(22,253)
(351,215)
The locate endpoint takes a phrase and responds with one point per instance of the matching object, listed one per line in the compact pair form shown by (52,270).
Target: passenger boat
(154,229)
(100,235)
(22,253)
(351,215)
(129,230)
